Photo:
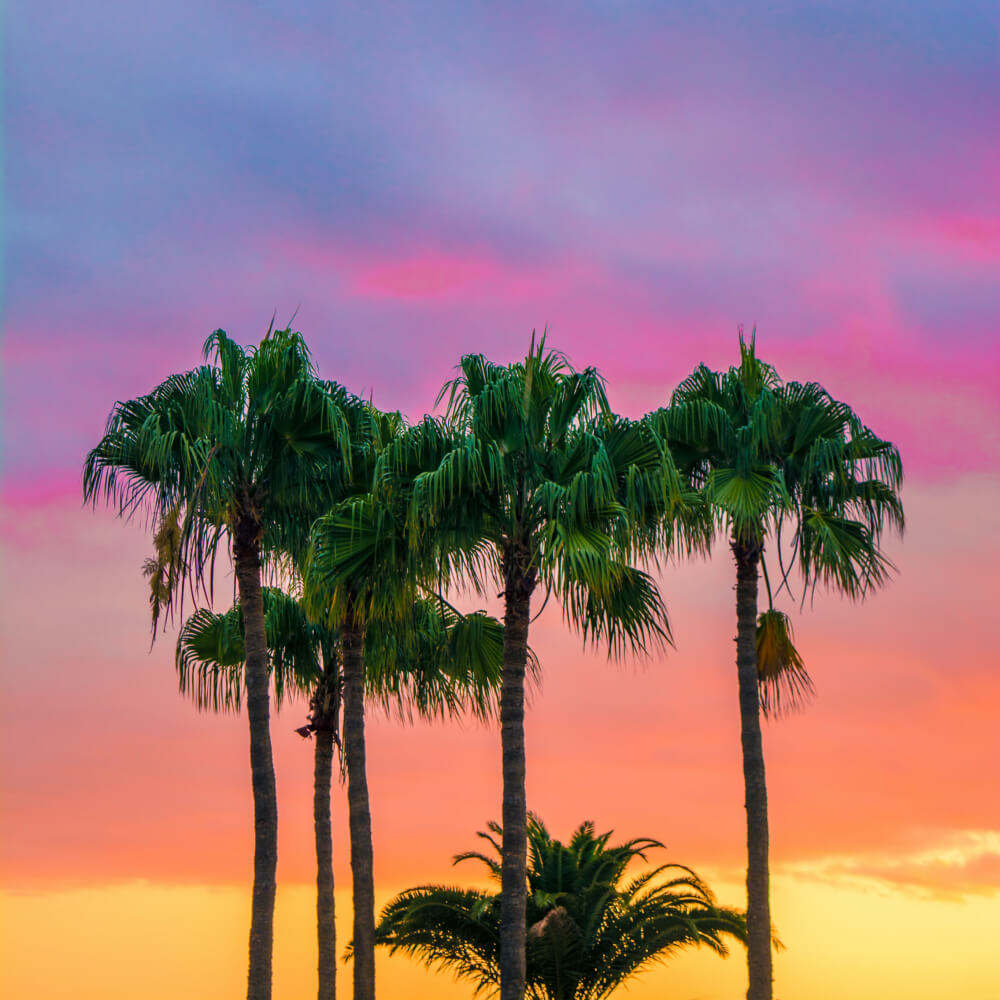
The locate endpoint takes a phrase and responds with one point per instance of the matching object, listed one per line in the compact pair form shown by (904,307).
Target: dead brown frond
(785,685)
(166,568)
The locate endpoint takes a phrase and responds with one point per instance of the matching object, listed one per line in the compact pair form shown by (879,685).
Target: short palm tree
(302,658)
(417,656)
(433,662)
(530,481)
(240,450)
(590,930)
(770,456)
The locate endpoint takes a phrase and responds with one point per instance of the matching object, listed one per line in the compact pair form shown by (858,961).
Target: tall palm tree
(772,456)
(590,930)
(235,451)
(530,481)
(432,663)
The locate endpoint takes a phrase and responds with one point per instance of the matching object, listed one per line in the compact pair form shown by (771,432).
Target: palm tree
(589,930)
(772,456)
(364,576)
(239,450)
(530,481)
(302,658)
(359,580)
(373,584)
(436,662)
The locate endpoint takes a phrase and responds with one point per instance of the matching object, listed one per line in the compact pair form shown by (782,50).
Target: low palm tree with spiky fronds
(591,929)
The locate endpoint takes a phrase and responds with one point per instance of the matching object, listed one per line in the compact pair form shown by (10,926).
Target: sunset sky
(417,181)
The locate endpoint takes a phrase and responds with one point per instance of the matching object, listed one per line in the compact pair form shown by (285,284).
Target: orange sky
(126,814)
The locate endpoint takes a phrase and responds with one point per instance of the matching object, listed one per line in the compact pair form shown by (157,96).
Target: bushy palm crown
(773,456)
(433,662)
(420,653)
(530,476)
(589,930)
(253,438)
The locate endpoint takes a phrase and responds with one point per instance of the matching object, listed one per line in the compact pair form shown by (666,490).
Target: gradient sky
(422,180)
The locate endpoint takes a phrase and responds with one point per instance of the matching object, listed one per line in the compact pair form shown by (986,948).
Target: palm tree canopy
(435,661)
(531,476)
(768,452)
(432,662)
(210,652)
(252,436)
(590,928)
(769,455)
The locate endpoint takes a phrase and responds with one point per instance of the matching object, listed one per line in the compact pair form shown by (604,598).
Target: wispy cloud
(947,865)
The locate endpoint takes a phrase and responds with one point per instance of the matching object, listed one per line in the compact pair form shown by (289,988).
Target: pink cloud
(429,275)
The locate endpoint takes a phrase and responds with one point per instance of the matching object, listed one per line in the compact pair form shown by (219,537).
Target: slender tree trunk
(246,553)
(352,638)
(513,875)
(326,928)
(747,556)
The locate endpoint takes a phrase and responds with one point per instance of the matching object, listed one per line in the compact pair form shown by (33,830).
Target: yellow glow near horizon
(162,942)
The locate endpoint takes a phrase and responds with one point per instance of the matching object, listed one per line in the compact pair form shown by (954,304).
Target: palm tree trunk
(760,975)
(359,813)
(513,874)
(246,556)
(326,929)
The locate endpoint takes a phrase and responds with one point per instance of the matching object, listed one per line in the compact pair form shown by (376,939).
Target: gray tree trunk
(760,975)
(326,928)
(514,854)
(359,812)
(246,556)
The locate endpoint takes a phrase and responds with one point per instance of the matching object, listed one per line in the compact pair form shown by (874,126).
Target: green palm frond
(435,662)
(210,653)
(621,609)
(361,558)
(842,553)
(746,495)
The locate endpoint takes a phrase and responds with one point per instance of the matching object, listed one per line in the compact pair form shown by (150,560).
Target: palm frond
(785,685)
(210,655)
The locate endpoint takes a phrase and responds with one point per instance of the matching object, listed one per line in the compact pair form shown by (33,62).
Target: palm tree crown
(771,454)
(248,446)
(532,480)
